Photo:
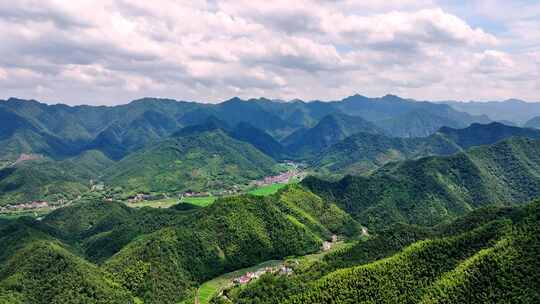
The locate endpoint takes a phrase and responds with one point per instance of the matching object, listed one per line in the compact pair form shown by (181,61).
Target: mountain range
(62,131)
(511,111)
(448,186)
(404,202)
(166,146)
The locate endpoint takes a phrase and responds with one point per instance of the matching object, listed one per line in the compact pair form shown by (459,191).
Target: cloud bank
(109,52)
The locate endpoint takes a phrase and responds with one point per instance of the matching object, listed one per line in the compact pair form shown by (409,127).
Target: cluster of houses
(195,194)
(97,187)
(328,245)
(227,192)
(246,278)
(282,178)
(25,157)
(25,206)
(139,197)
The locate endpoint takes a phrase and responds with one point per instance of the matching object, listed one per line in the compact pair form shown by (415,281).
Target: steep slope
(514,110)
(198,162)
(433,189)
(533,123)
(19,135)
(297,112)
(121,138)
(330,129)
(232,234)
(114,130)
(486,134)
(484,265)
(259,139)
(235,111)
(364,152)
(59,120)
(361,153)
(35,267)
(45,272)
(46,179)
(488,257)
(158,255)
(406,117)
(420,123)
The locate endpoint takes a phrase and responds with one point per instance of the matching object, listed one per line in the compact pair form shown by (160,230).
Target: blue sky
(113,51)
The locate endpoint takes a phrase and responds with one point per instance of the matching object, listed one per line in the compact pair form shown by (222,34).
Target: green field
(267,190)
(200,201)
(166,203)
(31,213)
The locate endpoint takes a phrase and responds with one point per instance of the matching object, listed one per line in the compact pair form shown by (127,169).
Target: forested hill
(433,189)
(489,256)
(196,161)
(364,152)
(479,134)
(96,252)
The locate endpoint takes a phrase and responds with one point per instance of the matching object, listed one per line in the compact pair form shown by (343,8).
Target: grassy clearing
(211,288)
(267,190)
(166,203)
(319,255)
(200,201)
(32,213)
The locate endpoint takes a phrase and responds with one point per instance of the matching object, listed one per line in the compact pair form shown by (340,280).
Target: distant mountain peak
(515,100)
(209,125)
(391,97)
(356,98)
(19,100)
(234,100)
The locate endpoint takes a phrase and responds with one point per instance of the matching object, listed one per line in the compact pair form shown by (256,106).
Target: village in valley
(249,276)
(294,173)
(222,285)
(284,269)
(267,185)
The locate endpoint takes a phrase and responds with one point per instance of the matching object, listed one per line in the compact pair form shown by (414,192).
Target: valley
(215,287)
(266,186)
(304,202)
(269,152)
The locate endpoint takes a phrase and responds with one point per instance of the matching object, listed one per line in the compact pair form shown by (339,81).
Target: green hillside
(196,162)
(111,252)
(487,257)
(60,131)
(364,152)
(233,234)
(36,267)
(478,134)
(121,138)
(491,264)
(418,123)
(328,131)
(404,117)
(19,135)
(434,189)
(533,123)
(45,179)
(259,139)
